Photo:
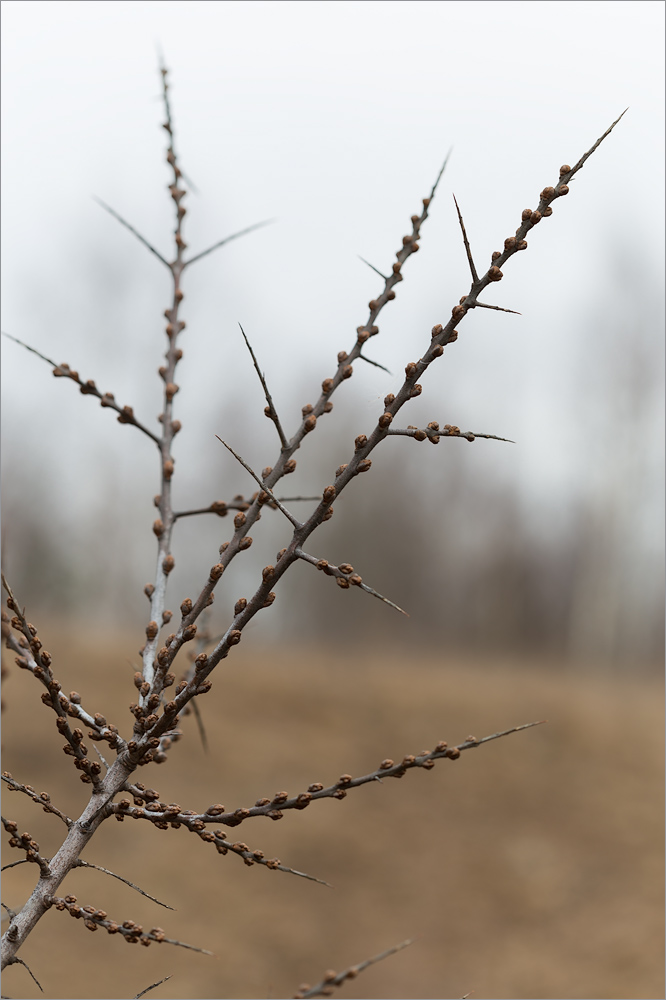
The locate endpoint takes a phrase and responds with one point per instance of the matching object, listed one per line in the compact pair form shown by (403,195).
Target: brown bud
(360,442)
(186,607)
(510,243)
(535,217)
(326,386)
(453,753)
(175,427)
(167,468)
(495,274)
(526,213)
(438,351)
(457,313)
(364,465)
(495,254)
(280,554)
(158,527)
(289,466)
(385,420)
(267,573)
(151,630)
(171,390)
(342,357)
(265,473)
(347,371)
(309,423)
(547,211)
(436,330)
(239,519)
(416,390)
(340,469)
(245,543)
(373,304)
(216,571)
(410,369)
(346,568)
(390,294)
(240,605)
(547,193)
(562,190)
(168,564)
(388,399)
(269,600)
(329,494)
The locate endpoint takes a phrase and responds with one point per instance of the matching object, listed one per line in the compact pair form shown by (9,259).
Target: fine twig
(332,978)
(107,399)
(153,986)
(132,885)
(270,410)
(228,239)
(132,230)
(19,961)
(269,493)
(345,577)
(433,433)
(94,918)
(468,251)
(41,798)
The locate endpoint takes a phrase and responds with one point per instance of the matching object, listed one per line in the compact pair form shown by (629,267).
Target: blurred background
(332,119)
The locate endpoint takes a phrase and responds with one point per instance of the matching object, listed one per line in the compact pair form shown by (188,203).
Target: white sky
(333,118)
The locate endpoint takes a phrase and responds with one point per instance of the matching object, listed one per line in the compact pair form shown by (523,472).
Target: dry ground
(531,867)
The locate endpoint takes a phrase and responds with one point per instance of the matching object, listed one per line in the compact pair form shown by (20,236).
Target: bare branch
(43,798)
(362,357)
(484,305)
(345,577)
(88,864)
(19,961)
(433,433)
(107,399)
(152,987)
(93,918)
(132,230)
(270,409)
(228,239)
(372,266)
(468,250)
(331,978)
(290,517)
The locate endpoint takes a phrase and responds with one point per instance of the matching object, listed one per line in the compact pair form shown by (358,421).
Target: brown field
(531,867)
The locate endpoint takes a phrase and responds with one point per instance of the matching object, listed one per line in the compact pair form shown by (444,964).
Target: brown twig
(345,577)
(94,918)
(270,410)
(42,798)
(132,885)
(331,978)
(153,986)
(433,433)
(107,399)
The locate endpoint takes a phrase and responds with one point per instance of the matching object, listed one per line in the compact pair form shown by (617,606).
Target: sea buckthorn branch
(37,660)
(126,881)
(107,399)
(286,464)
(360,462)
(153,986)
(24,842)
(131,932)
(433,433)
(171,816)
(332,978)
(149,807)
(19,961)
(345,577)
(41,798)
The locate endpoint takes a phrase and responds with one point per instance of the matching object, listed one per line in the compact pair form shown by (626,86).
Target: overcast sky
(333,118)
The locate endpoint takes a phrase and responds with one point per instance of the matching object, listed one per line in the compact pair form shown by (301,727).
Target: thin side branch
(331,978)
(107,399)
(132,230)
(228,239)
(269,493)
(42,798)
(433,433)
(94,918)
(153,986)
(372,267)
(19,961)
(270,409)
(132,885)
(468,251)
(345,577)
(376,364)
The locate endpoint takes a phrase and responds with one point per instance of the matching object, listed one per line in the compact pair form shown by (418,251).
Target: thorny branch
(155,718)
(332,978)
(107,399)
